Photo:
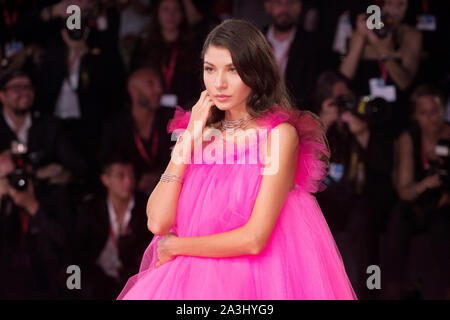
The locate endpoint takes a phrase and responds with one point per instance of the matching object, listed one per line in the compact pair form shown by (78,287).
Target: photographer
(81,81)
(384,62)
(421,173)
(35,212)
(49,152)
(34,224)
(359,192)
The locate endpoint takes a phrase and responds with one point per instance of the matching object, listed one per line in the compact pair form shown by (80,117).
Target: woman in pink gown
(235,231)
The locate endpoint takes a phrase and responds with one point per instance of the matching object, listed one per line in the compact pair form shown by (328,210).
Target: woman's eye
(208,69)
(233,69)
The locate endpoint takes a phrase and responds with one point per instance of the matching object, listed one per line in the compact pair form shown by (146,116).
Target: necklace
(231,125)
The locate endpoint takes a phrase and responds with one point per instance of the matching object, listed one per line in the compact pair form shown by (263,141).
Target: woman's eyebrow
(228,65)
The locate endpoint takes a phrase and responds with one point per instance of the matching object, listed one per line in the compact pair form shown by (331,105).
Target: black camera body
(442,165)
(19,177)
(77,34)
(386,27)
(373,110)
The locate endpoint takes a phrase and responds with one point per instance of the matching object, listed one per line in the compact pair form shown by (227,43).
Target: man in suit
(111,231)
(81,83)
(48,150)
(35,210)
(294,48)
(141,129)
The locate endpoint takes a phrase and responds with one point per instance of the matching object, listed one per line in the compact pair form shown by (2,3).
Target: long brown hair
(154,50)
(255,63)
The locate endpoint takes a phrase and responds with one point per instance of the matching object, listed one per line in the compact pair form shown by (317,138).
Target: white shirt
(344,32)
(280,48)
(22,135)
(109,259)
(67,105)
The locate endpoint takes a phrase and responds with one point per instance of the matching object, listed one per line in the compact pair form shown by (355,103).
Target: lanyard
(10,20)
(169,70)
(72,61)
(114,237)
(383,70)
(24,222)
(141,148)
(425,6)
(425,163)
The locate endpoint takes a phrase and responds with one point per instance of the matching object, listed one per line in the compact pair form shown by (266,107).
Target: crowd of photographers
(83,137)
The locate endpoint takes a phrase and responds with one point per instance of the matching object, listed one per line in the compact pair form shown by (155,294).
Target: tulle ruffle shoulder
(179,121)
(313,154)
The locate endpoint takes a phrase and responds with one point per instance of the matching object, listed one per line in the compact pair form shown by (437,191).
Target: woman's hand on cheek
(166,249)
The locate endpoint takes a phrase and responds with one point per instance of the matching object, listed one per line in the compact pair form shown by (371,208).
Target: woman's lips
(222,97)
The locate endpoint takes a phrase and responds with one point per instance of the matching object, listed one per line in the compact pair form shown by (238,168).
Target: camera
(387,24)
(442,165)
(376,111)
(19,177)
(77,34)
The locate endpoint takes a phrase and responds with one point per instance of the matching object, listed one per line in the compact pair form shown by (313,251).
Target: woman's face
(397,9)
(170,15)
(120,180)
(429,113)
(340,89)
(222,80)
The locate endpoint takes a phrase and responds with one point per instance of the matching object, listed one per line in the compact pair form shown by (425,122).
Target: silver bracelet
(171,178)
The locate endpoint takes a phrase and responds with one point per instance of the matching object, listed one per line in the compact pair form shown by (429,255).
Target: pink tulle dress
(301,259)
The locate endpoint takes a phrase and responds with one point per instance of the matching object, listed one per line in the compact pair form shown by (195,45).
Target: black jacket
(33,260)
(302,67)
(101,88)
(46,144)
(92,232)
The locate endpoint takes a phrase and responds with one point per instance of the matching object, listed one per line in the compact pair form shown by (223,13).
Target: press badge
(169,100)
(336,171)
(379,89)
(11,48)
(426,22)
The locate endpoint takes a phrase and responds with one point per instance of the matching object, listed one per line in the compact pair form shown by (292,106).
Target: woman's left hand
(165,249)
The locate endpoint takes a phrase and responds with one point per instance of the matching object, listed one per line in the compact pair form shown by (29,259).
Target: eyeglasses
(19,87)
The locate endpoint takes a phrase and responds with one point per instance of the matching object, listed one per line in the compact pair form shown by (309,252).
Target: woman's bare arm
(254,235)
(403,73)
(163,202)
(350,63)
(192,14)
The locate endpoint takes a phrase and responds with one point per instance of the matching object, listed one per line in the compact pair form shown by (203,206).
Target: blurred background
(83,132)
